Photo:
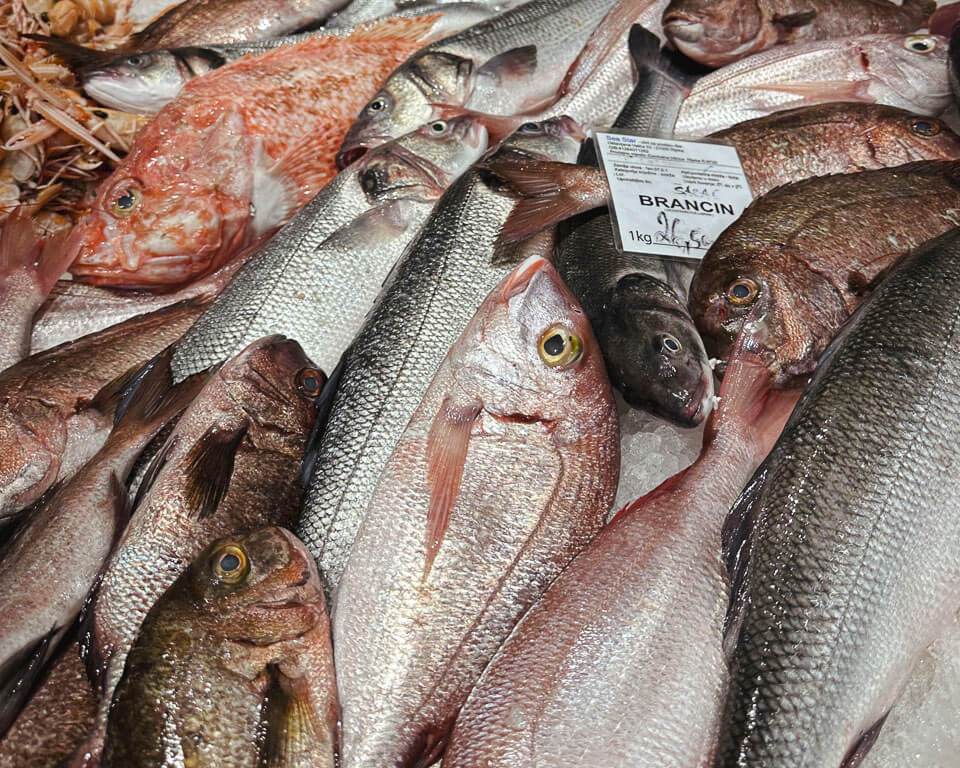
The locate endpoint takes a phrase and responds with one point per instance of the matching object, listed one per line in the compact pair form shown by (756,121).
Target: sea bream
(510,64)
(434,290)
(845,548)
(906,71)
(258,136)
(506,470)
(317,278)
(718,32)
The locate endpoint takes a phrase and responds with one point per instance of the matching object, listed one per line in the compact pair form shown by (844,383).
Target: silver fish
(846,545)
(432,293)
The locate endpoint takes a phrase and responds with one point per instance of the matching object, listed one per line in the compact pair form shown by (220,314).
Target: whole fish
(781,148)
(806,255)
(909,72)
(55,720)
(56,407)
(308,285)
(633,624)
(503,66)
(51,563)
(232,665)
(359,11)
(718,32)
(231,464)
(430,297)
(29,268)
(506,470)
(846,543)
(259,136)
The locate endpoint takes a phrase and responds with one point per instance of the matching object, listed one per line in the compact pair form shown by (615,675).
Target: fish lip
(698,410)
(348,156)
(683,27)
(572,128)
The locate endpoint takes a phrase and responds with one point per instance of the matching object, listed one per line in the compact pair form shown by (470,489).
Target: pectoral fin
(515,64)
(209,469)
(819,92)
(794,20)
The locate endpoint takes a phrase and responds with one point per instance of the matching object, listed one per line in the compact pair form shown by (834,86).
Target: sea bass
(506,470)
(51,563)
(504,66)
(56,407)
(316,279)
(633,624)
(253,160)
(232,664)
(909,72)
(718,32)
(846,545)
(781,148)
(230,465)
(807,254)
(433,292)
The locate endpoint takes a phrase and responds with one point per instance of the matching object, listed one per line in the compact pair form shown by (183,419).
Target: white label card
(672,198)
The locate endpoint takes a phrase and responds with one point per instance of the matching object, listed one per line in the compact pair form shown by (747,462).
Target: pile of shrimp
(56,143)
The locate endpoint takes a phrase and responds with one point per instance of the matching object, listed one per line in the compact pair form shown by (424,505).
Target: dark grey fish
(845,548)
(638,304)
(432,293)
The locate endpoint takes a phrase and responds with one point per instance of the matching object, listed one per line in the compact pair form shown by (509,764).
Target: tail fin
(21,247)
(78,57)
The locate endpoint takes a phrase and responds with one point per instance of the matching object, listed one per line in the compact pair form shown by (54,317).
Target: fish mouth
(683,27)
(347,157)
(701,403)
(572,128)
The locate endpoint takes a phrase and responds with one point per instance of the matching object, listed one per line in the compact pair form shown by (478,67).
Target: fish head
(653,352)
(274,381)
(914,67)
(260,588)
(530,356)
(407,101)
(903,138)
(424,162)
(794,312)
(141,82)
(177,207)
(556,138)
(717,32)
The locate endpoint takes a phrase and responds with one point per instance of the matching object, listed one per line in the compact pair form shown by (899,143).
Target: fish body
(232,664)
(434,290)
(230,465)
(320,274)
(52,561)
(633,624)
(506,469)
(259,137)
(56,407)
(781,259)
(846,545)
(718,32)
(360,11)
(507,65)
(909,72)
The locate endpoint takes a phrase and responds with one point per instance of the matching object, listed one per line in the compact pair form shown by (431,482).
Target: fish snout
(683,27)
(572,128)
(347,156)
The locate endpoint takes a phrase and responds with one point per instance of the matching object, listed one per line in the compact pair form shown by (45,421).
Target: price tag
(671,198)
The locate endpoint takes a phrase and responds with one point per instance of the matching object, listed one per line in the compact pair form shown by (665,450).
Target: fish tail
(22,247)
(416,29)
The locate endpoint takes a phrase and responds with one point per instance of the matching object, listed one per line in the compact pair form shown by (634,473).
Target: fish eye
(230,564)
(138,60)
(438,126)
(923,127)
(378,104)
(125,201)
(743,292)
(530,128)
(670,344)
(559,347)
(920,43)
(310,381)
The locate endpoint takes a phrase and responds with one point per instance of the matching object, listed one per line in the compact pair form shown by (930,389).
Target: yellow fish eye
(230,564)
(743,292)
(559,347)
(125,202)
(919,43)
(925,127)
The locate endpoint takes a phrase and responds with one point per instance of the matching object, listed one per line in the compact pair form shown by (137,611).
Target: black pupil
(229,563)
(437,127)
(923,126)
(920,45)
(740,291)
(310,384)
(378,104)
(134,61)
(126,200)
(529,127)
(554,345)
(671,344)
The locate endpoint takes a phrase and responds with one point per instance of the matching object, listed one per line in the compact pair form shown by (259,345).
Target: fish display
(425,305)
(785,270)
(253,161)
(544,511)
(320,274)
(909,72)
(455,545)
(243,641)
(845,545)
(718,32)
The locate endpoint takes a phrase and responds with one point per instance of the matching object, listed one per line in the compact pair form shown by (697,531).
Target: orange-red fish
(234,156)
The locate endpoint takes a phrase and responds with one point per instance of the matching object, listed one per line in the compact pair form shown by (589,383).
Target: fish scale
(852,538)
